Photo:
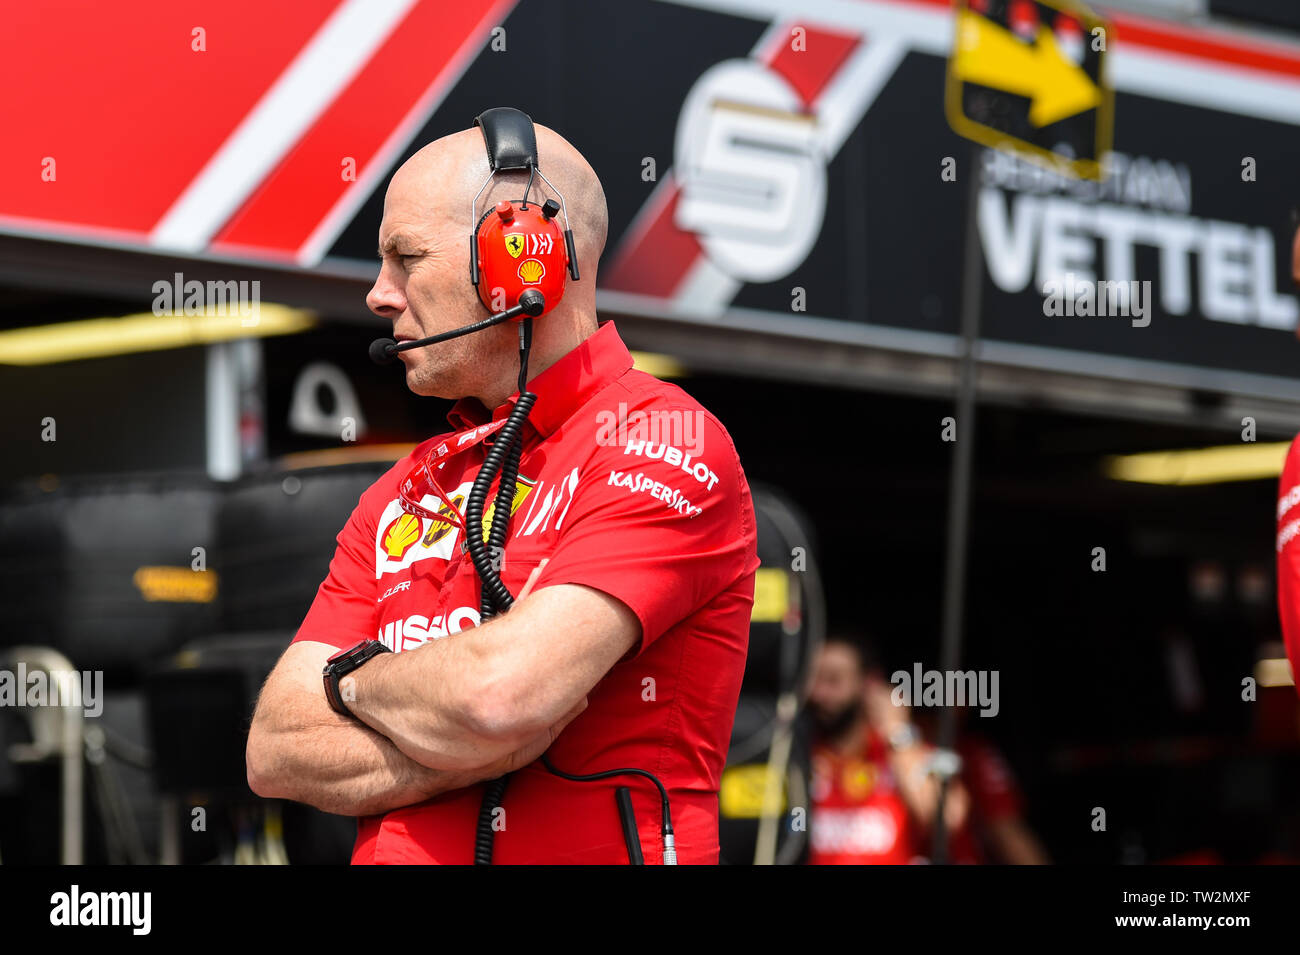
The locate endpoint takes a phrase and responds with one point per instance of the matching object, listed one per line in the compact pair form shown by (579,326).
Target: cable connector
(670,849)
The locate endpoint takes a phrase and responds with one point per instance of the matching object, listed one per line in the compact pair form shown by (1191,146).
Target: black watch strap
(340,665)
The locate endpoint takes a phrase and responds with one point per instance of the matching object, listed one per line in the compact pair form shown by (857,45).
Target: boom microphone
(383,351)
(531,302)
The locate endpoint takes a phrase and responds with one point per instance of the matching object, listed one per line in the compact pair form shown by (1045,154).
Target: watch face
(360,650)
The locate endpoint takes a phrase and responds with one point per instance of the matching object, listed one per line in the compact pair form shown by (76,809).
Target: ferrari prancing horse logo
(514,244)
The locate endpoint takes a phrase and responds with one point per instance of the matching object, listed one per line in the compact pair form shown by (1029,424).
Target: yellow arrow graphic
(992,56)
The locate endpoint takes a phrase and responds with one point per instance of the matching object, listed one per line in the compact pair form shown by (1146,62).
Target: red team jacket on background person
(1288,554)
(858,815)
(994,797)
(664,525)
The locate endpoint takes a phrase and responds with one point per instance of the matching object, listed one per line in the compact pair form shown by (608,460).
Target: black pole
(954,585)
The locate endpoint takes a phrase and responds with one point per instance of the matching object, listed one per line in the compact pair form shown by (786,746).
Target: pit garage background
(788,231)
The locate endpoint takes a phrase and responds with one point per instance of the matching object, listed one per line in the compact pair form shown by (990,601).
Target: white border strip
(1181,79)
(321,70)
(1189,79)
(839,109)
(846,99)
(705,289)
(337,219)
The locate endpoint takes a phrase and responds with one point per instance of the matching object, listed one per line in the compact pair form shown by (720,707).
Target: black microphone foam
(532,302)
(383,351)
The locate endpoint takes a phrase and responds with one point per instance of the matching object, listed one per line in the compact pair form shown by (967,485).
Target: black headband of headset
(511,143)
(509,136)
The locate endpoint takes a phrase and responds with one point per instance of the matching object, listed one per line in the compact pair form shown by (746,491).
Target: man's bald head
(424,287)
(449,171)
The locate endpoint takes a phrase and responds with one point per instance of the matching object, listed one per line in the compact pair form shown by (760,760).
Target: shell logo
(400,535)
(531,271)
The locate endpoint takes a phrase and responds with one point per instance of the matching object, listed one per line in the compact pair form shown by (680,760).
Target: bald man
(631,550)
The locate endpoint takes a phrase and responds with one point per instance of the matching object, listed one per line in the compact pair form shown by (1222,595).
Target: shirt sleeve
(344,611)
(660,528)
(1288,555)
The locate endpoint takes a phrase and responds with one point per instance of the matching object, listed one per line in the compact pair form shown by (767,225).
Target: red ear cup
(519,249)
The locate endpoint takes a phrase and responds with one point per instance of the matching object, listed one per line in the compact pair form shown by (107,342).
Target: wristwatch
(341,664)
(904,736)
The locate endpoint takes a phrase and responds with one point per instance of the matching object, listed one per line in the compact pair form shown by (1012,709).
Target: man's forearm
(920,789)
(300,749)
(344,768)
(429,702)
(474,697)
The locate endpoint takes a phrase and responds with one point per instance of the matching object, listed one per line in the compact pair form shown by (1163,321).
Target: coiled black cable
(502,509)
(495,790)
(506,452)
(488,557)
(496,596)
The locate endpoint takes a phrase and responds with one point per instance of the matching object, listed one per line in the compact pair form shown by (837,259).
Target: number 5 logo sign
(753,179)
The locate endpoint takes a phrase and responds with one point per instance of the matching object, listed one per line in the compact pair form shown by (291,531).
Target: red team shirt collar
(561,389)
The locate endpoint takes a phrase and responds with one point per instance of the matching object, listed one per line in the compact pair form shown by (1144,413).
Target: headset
(518,248)
(520,260)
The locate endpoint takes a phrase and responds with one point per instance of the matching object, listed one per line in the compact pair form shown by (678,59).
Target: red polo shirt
(1288,554)
(626,485)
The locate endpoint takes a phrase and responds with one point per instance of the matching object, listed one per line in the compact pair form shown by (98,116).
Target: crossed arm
(446,715)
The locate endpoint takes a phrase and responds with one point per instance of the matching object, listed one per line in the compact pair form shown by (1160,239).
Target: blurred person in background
(873,799)
(995,830)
